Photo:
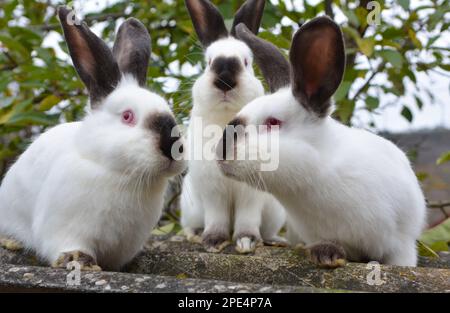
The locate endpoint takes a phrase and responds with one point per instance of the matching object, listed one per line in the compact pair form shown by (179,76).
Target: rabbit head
(300,102)
(228,81)
(128,127)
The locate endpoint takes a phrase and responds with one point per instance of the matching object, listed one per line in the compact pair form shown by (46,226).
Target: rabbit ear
(207,20)
(92,58)
(132,49)
(274,66)
(318,63)
(250,14)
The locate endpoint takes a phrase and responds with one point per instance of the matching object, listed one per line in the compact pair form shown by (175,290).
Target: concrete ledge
(15,278)
(282,266)
(186,267)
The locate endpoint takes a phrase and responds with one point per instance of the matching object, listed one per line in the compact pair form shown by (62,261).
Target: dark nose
(227,71)
(235,129)
(225,81)
(166,127)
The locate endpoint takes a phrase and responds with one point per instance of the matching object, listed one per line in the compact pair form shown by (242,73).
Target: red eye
(271,122)
(128,117)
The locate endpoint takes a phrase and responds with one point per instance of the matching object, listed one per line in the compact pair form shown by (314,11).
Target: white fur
(338,183)
(209,199)
(95,186)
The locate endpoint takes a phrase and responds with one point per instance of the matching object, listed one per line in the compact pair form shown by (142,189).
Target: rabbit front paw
(247,243)
(327,255)
(193,234)
(215,242)
(87,262)
(276,241)
(10,244)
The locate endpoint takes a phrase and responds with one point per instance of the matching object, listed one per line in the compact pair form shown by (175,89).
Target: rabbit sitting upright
(348,193)
(209,199)
(92,191)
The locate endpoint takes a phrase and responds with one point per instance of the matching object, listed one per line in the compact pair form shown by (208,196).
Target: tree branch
(350,42)
(13,62)
(367,83)
(329,8)
(438,205)
(442,205)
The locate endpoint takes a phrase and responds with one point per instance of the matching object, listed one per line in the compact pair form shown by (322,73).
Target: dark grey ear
(250,14)
(92,58)
(274,66)
(318,63)
(207,20)
(132,49)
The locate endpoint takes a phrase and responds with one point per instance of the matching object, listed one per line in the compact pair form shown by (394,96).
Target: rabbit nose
(166,127)
(225,82)
(235,129)
(226,69)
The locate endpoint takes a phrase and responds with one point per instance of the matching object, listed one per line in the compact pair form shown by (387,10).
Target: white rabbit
(92,191)
(347,192)
(209,199)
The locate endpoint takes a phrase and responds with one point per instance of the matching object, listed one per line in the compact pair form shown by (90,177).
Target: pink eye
(271,122)
(128,117)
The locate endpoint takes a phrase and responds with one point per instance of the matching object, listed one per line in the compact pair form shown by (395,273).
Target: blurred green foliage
(38,89)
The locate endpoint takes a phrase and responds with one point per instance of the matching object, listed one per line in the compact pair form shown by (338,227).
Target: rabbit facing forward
(92,191)
(209,200)
(349,194)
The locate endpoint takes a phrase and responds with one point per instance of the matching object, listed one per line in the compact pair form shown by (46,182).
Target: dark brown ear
(92,58)
(250,14)
(274,66)
(318,63)
(207,20)
(132,49)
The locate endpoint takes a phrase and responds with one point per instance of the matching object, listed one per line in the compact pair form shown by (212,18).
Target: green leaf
(6,102)
(33,118)
(419,102)
(444,158)
(366,46)
(426,251)
(406,113)
(48,102)
(414,39)
(278,41)
(345,110)
(22,106)
(439,233)
(14,46)
(6,153)
(164,230)
(393,57)
(351,15)
(372,103)
(445,67)
(422,176)
(342,91)
(404,4)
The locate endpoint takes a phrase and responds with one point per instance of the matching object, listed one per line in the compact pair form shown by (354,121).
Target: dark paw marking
(327,255)
(215,242)
(197,231)
(87,262)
